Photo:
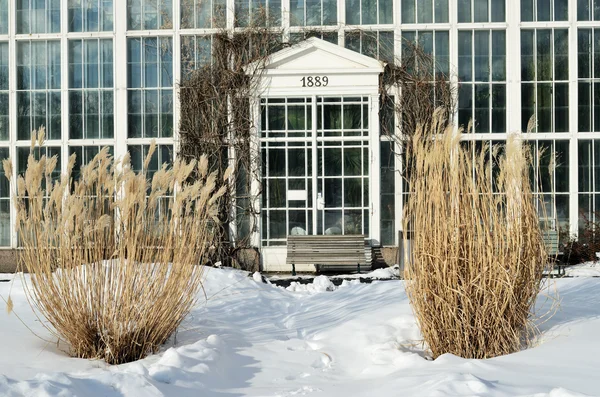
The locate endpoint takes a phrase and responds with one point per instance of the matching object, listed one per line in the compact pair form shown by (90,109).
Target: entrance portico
(317,120)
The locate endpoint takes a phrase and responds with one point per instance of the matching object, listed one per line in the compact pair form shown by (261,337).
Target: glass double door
(315,167)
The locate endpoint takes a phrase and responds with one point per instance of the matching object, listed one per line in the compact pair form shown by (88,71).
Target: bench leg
(293,269)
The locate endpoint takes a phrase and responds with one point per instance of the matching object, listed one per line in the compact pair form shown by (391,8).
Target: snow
(250,338)
(587,269)
(385,273)
(319,284)
(257,277)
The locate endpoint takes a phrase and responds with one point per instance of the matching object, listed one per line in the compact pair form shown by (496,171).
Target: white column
(64,85)
(230,14)
(12,112)
(513,69)
(573,122)
(120,80)
(375,172)
(285,19)
(255,172)
(315,164)
(176,76)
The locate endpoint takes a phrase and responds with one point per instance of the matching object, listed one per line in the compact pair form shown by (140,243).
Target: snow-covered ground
(255,339)
(587,269)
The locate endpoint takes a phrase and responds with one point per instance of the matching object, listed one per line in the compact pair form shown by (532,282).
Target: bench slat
(330,250)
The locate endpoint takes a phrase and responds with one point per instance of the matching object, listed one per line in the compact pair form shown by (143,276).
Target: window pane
(465,56)
(4,66)
(424,11)
(527,55)
(465,104)
(544,55)
(544,107)
(408,11)
(442,52)
(369,11)
(561,54)
(480,11)
(441,11)
(3,16)
(526,10)
(498,10)
(464,10)
(584,107)
(482,55)
(499,108)
(561,104)
(481,121)
(4,119)
(584,53)
(528,101)
(498,55)
(386,12)
(543,10)
(561,10)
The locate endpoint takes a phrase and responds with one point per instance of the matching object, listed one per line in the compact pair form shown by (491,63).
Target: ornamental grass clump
(115,259)
(477,250)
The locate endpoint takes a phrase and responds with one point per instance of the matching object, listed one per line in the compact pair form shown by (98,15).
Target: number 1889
(316,81)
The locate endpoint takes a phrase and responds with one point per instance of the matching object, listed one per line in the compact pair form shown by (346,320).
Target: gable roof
(315,53)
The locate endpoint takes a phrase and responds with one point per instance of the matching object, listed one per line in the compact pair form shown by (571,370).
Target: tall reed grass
(477,250)
(115,258)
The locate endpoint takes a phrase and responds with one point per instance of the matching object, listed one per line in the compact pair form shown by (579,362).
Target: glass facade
(70,66)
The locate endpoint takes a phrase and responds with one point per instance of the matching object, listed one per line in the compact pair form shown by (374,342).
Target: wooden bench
(332,251)
(552,247)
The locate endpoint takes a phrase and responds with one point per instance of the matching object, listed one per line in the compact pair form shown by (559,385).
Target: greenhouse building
(101,73)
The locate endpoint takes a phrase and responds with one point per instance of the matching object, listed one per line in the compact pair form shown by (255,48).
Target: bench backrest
(324,250)
(551,242)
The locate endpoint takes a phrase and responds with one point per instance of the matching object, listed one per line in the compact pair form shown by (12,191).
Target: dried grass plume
(477,250)
(115,257)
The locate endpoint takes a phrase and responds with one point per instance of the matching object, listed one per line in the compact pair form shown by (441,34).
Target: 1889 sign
(315,81)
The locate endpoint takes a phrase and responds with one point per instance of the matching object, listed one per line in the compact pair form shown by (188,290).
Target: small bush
(115,259)
(477,253)
(584,247)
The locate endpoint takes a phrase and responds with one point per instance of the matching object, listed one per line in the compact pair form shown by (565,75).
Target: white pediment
(315,66)
(318,54)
